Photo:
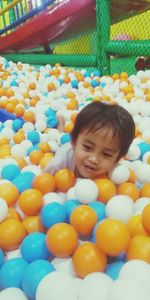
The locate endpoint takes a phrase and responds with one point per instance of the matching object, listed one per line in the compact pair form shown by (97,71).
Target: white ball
(57,286)
(142,173)
(120,207)
(137,270)
(119,174)
(133,152)
(126,289)
(28,126)
(95,286)
(53,134)
(26,144)
(86,191)
(64,265)
(52,197)
(141,203)
(12,293)
(8,161)
(32,168)
(13,254)
(18,151)
(71,194)
(7,132)
(3,209)
(53,145)
(40,125)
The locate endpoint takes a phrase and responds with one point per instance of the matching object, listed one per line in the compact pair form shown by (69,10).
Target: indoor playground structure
(62,237)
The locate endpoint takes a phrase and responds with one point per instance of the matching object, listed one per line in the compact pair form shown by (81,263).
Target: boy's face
(95,153)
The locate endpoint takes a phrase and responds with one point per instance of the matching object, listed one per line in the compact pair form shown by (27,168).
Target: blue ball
(52,122)
(99,208)
(53,213)
(102,84)
(33,136)
(74,83)
(87,74)
(144,147)
(2,258)
(97,73)
(94,83)
(22,182)
(69,206)
(17,124)
(11,273)
(32,148)
(33,274)
(34,247)
(14,83)
(10,172)
(50,113)
(113,269)
(65,138)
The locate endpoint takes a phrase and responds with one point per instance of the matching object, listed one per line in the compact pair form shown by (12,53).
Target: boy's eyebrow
(88,141)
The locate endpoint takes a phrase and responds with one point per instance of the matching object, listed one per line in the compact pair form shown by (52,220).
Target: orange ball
(44,147)
(62,240)
(21,162)
(44,182)
(35,157)
(68,127)
(18,137)
(65,179)
(145,190)
(139,248)
(9,193)
(32,86)
(46,159)
(12,233)
(12,214)
(31,202)
(10,107)
(19,110)
(112,237)
(83,218)
(29,116)
(88,258)
(107,189)
(146,218)
(129,189)
(4,141)
(135,226)
(33,224)
(72,104)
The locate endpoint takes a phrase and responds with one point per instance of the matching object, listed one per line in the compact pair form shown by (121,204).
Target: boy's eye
(107,154)
(87,147)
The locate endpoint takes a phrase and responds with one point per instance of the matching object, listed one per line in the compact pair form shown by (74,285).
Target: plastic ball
(11,273)
(12,233)
(34,247)
(12,293)
(135,226)
(9,193)
(95,285)
(133,152)
(10,172)
(35,157)
(33,136)
(99,208)
(67,288)
(129,189)
(146,218)
(145,190)
(33,275)
(143,173)
(52,213)
(2,258)
(83,218)
(33,224)
(65,138)
(69,207)
(65,179)
(113,269)
(141,203)
(120,207)
(44,182)
(87,259)
(123,287)
(62,239)
(107,189)
(52,197)
(17,124)
(86,191)
(30,202)
(112,237)
(18,151)
(23,181)
(139,248)
(64,265)
(3,209)
(130,270)
(119,174)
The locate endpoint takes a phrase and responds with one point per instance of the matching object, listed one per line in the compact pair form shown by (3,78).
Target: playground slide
(62,20)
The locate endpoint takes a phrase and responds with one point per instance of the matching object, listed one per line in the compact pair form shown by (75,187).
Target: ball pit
(64,237)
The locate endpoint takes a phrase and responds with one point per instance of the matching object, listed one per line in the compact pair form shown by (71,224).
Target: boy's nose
(94,159)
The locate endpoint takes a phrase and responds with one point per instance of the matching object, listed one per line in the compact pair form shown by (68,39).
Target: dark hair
(97,115)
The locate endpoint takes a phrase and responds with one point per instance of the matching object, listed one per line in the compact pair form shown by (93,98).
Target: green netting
(109,35)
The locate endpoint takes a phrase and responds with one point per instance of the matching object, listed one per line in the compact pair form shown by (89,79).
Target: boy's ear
(73,144)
